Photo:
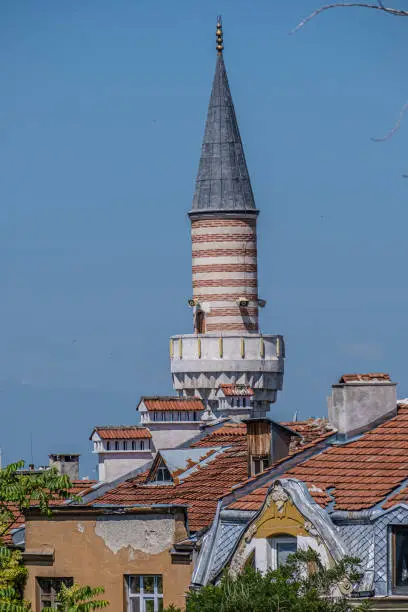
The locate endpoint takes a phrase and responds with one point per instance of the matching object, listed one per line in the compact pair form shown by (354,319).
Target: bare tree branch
(396,126)
(378,7)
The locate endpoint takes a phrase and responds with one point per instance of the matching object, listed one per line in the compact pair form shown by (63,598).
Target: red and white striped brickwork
(225,269)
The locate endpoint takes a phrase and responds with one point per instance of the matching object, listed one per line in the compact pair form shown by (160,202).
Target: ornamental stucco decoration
(238,560)
(279,496)
(345,587)
(250,533)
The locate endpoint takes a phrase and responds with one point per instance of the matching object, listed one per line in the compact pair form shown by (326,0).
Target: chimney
(268,442)
(360,402)
(66,464)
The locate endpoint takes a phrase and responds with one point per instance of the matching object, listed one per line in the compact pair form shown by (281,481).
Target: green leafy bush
(302,585)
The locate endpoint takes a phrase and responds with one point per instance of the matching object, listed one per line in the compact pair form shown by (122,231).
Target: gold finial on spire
(218,33)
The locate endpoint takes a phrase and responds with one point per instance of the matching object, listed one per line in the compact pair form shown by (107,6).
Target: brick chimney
(360,402)
(66,464)
(268,442)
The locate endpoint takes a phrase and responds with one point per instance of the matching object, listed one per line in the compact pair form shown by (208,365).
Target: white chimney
(360,402)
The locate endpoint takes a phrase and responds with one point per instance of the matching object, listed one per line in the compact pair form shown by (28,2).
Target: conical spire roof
(223,182)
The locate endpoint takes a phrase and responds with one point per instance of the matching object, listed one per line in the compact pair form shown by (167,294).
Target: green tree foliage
(302,585)
(17,492)
(79,599)
(13,575)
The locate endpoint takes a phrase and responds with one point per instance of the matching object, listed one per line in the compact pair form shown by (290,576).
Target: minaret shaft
(225,272)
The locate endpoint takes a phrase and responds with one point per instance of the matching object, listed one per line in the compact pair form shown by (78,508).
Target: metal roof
(181,460)
(223,183)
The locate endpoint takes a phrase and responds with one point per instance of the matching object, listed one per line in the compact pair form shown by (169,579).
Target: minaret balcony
(202,362)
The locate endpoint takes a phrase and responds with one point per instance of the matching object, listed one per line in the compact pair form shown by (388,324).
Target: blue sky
(102,113)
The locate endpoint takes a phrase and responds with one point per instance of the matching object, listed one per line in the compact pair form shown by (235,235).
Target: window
(162,474)
(144,593)
(141,444)
(280,547)
(259,464)
(48,590)
(244,402)
(108,446)
(195,416)
(124,445)
(400,560)
(179,416)
(116,445)
(133,445)
(155,416)
(200,322)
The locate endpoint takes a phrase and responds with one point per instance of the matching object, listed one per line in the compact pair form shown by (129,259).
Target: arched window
(279,549)
(200,322)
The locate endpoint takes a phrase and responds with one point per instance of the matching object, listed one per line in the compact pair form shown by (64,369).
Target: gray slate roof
(223,182)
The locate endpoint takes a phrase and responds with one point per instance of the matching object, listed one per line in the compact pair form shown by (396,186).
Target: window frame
(396,590)
(273,543)
(156,596)
(68,581)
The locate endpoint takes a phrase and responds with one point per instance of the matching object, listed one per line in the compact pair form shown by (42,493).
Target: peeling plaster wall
(100,550)
(151,534)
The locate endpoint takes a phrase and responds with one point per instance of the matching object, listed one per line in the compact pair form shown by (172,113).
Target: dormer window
(163,474)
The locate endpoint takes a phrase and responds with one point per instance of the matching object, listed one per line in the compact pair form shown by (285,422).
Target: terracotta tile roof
(358,475)
(229,433)
(250,501)
(236,390)
(310,430)
(401,497)
(202,489)
(172,403)
(79,487)
(122,432)
(347,378)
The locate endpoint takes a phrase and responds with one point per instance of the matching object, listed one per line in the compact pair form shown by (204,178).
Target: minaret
(226,347)
(223,220)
